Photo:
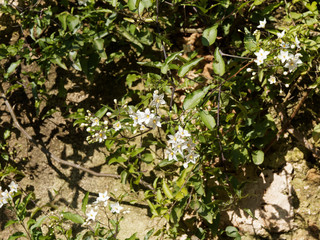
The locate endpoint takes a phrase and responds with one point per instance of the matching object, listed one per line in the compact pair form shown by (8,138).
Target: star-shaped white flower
(115,207)
(91,215)
(281,34)
(283,56)
(262,24)
(272,79)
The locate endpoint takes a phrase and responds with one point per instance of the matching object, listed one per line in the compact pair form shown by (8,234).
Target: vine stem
(54,157)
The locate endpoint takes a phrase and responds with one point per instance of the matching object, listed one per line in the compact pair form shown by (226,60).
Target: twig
(55,158)
(288,121)
(218,125)
(234,56)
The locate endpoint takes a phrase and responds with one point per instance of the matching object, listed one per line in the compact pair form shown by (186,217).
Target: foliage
(191,130)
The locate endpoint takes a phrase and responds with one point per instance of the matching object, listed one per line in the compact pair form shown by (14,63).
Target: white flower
(115,207)
(293,62)
(83,2)
(117,126)
(183,133)
(283,56)
(95,122)
(3,201)
(147,116)
(262,24)
(190,145)
(13,187)
(272,79)
(171,155)
(91,215)
(281,35)
(249,69)
(285,73)
(155,122)
(175,139)
(100,136)
(6,195)
(103,197)
(135,118)
(284,44)
(261,55)
(157,99)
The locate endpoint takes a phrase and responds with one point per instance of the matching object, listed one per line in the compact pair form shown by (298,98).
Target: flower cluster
(95,127)
(148,119)
(7,195)
(181,145)
(103,199)
(284,53)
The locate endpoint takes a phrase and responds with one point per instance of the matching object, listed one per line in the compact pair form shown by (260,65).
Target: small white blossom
(13,187)
(249,69)
(171,154)
(115,207)
(283,56)
(103,197)
(157,99)
(281,34)
(91,215)
(293,62)
(117,126)
(272,79)
(262,24)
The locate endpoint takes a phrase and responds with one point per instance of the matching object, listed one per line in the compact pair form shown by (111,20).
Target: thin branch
(234,56)
(54,157)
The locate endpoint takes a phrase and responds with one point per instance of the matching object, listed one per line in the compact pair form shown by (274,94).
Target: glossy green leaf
(73,217)
(218,63)
(13,67)
(152,208)
(166,190)
(6,134)
(232,232)
(209,36)
(184,69)
(258,157)
(208,119)
(194,98)
(99,46)
(73,23)
(101,112)
(85,202)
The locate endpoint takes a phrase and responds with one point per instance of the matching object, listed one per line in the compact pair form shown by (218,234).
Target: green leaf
(258,157)
(147,158)
(136,152)
(13,67)
(122,31)
(63,19)
(152,208)
(166,190)
(182,177)
(101,112)
(249,41)
(10,222)
(73,23)
(194,98)
(232,232)
(99,46)
(38,223)
(184,69)
(316,133)
(85,202)
(165,66)
(209,35)
(73,217)
(117,160)
(57,60)
(16,235)
(218,63)
(6,134)
(132,4)
(208,120)
(149,234)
